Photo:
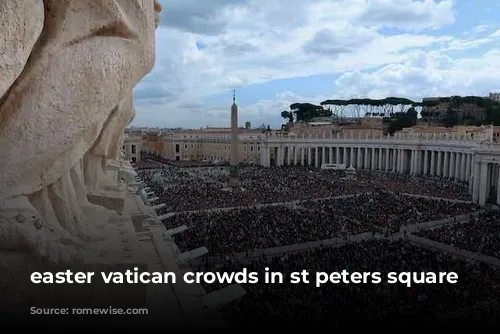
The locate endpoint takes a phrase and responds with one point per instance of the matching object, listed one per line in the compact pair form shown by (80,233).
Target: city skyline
(276,55)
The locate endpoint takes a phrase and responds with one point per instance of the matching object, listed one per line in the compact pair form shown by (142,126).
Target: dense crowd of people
(386,209)
(480,235)
(374,202)
(249,229)
(184,189)
(334,304)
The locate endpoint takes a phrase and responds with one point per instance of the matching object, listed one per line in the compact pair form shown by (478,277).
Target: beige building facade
(132,147)
(483,132)
(213,144)
(371,127)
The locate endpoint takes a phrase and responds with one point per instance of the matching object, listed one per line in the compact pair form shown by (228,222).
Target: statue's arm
(21,23)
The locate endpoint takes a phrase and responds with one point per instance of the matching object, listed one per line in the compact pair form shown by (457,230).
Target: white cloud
(279,40)
(481,28)
(412,15)
(425,74)
(496,34)
(343,38)
(254,41)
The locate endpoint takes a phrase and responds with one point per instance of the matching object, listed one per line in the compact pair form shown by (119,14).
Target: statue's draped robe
(62,114)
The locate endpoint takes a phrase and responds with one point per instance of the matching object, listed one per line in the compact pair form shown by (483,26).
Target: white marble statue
(67,71)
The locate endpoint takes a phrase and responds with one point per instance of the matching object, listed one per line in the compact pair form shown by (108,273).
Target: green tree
(287,115)
(306,111)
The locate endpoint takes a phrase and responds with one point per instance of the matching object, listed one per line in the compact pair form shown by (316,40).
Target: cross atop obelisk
(234,180)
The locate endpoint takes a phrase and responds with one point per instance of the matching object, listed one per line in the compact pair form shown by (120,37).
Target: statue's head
(157,10)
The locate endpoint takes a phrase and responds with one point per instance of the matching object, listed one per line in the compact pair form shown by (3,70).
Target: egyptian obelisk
(234,180)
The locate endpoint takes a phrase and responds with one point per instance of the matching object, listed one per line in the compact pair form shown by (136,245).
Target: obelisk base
(234,177)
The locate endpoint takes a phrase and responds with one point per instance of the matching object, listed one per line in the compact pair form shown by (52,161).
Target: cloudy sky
(277,52)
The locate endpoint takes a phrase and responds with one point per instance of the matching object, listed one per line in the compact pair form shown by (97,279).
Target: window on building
(185,146)
(177,148)
(134,149)
(134,159)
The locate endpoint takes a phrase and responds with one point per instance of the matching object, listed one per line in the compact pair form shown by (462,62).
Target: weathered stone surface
(111,200)
(67,71)
(21,23)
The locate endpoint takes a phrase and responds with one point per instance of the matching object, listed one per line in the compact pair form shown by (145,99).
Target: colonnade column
(366,160)
(404,161)
(458,163)
(483,184)
(380,158)
(418,162)
(439,170)
(432,170)
(385,160)
(309,156)
(395,160)
(278,156)
(468,167)
(264,156)
(397,152)
(401,161)
(475,182)
(453,157)
(316,157)
(416,156)
(268,156)
(372,162)
(412,162)
(471,172)
(426,163)
(446,164)
(463,166)
(387,156)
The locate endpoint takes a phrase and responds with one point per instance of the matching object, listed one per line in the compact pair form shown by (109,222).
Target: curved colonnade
(474,162)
